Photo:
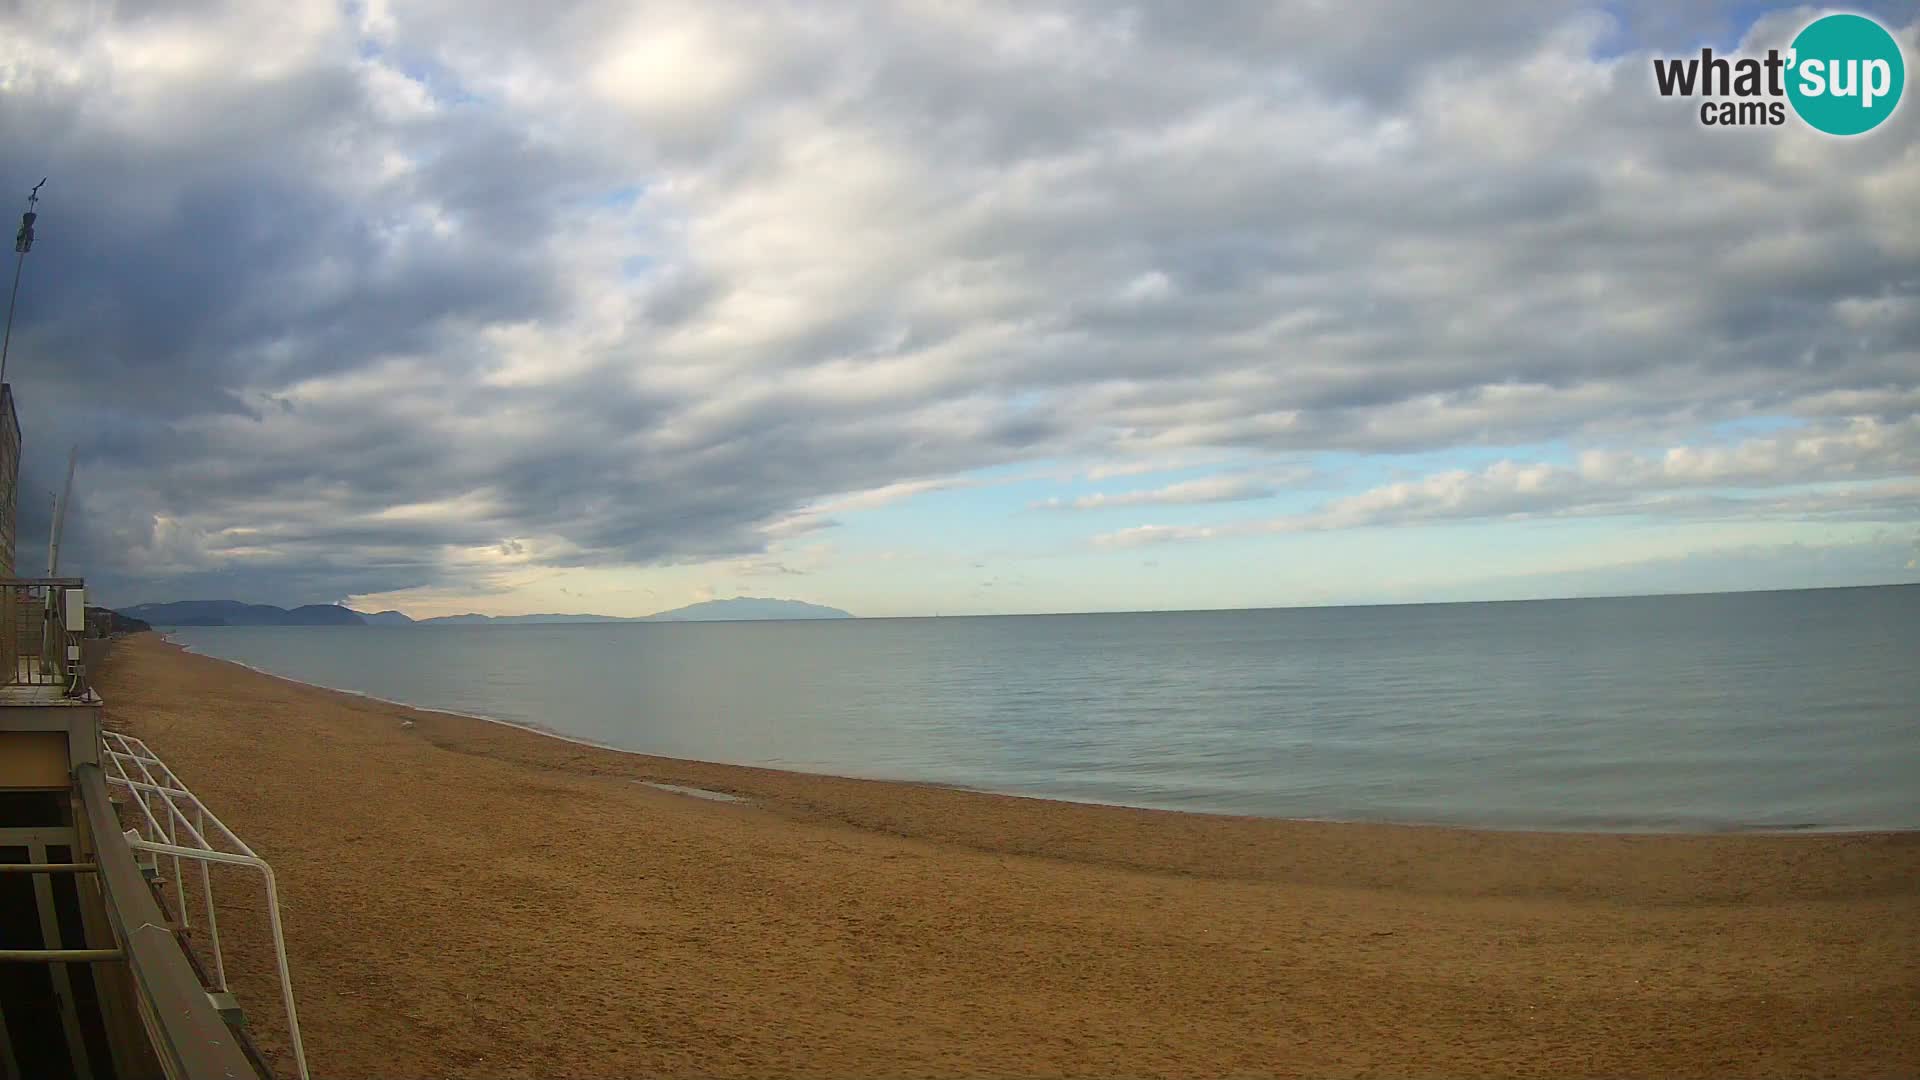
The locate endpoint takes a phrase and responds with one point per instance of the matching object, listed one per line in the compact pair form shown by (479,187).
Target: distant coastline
(198,613)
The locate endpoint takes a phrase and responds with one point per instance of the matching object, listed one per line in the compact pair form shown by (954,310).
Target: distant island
(234,613)
(748,607)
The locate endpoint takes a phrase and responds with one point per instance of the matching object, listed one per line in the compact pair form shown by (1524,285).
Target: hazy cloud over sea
(447,300)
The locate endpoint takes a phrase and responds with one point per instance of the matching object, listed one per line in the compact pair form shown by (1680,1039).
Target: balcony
(43,642)
(97,979)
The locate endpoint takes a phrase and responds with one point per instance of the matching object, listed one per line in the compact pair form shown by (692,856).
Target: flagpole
(22,244)
(60,516)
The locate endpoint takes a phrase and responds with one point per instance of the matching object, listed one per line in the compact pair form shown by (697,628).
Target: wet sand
(466,899)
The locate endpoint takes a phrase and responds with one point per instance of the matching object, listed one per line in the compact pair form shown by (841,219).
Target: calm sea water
(1756,710)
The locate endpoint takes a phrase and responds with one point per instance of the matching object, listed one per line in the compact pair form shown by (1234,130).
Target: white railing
(42,622)
(183,834)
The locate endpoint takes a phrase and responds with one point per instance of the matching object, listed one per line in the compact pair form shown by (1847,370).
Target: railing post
(167,788)
(213,924)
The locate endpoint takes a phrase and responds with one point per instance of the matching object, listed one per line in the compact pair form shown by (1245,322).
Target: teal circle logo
(1846,74)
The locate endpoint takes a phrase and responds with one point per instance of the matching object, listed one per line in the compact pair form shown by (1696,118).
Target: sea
(1737,711)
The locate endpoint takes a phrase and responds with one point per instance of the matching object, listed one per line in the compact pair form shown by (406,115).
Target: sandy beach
(467,899)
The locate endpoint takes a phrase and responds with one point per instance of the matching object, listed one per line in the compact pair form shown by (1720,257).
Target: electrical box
(76,613)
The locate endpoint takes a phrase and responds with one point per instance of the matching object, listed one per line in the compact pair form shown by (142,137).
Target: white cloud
(1211,489)
(1862,469)
(1148,288)
(1142,535)
(885,495)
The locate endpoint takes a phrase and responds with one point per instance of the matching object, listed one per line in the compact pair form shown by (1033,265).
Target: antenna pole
(22,244)
(60,517)
(18,262)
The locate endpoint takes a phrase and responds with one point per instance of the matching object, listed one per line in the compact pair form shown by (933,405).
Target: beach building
(110,963)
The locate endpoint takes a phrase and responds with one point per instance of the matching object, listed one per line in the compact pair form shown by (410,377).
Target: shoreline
(468,898)
(1612,829)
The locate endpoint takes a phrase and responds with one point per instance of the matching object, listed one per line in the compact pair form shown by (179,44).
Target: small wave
(696,792)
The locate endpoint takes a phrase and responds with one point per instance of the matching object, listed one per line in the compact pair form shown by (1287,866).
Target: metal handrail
(187,1032)
(119,751)
(59,956)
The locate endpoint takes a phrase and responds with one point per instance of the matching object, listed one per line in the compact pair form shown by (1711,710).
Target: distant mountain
(512,620)
(748,607)
(738,608)
(324,615)
(234,613)
(112,622)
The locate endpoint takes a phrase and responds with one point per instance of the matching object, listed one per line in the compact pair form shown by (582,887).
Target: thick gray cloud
(346,299)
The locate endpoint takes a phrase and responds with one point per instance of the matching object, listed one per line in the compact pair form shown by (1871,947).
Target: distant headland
(235,613)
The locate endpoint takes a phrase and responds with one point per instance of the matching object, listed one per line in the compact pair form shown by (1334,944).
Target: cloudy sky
(949,306)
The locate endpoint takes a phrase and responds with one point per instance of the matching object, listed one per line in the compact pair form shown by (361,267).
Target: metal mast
(60,517)
(22,243)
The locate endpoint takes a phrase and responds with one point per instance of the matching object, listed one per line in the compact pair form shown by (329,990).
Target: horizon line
(1057,614)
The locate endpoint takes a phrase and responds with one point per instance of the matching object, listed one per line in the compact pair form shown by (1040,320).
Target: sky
(949,307)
